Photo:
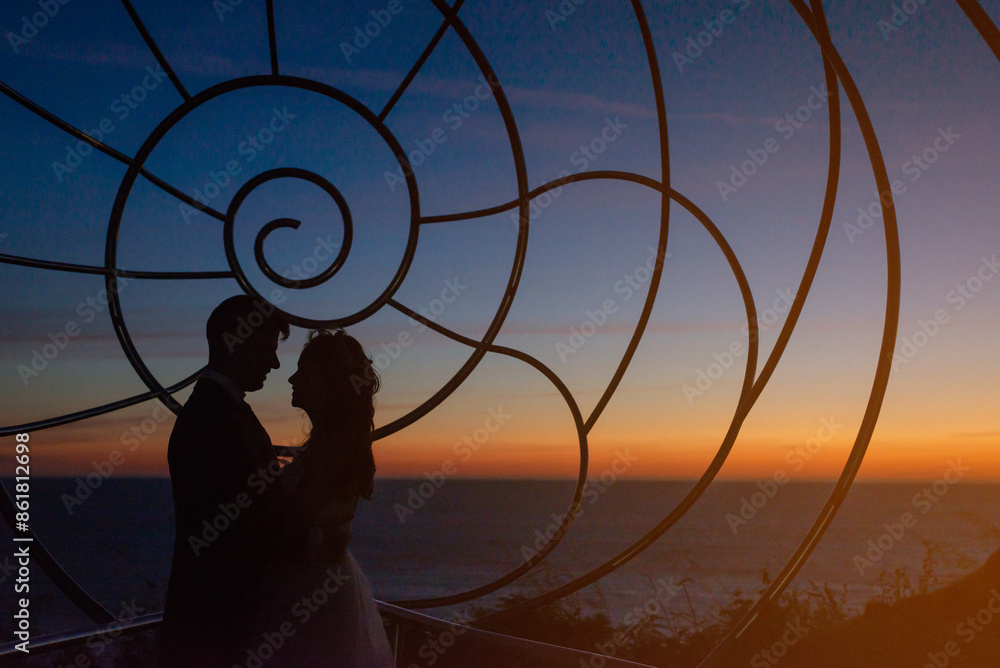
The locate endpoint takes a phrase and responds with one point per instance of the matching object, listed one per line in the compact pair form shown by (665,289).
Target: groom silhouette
(233,518)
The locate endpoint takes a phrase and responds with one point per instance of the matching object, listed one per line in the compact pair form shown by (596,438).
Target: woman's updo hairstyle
(349,371)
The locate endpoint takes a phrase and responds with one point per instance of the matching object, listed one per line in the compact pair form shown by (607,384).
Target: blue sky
(574,84)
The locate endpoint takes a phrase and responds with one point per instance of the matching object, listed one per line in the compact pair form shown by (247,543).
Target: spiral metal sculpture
(837,76)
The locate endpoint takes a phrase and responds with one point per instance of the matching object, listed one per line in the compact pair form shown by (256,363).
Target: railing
(414,637)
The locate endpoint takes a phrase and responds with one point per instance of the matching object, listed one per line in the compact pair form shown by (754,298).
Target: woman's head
(335,379)
(335,384)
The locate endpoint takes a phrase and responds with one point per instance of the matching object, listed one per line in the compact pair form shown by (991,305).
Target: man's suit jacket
(231,526)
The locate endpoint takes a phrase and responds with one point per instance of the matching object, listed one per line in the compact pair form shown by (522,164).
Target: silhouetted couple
(261,574)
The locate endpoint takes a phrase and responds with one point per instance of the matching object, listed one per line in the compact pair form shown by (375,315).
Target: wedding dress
(329,601)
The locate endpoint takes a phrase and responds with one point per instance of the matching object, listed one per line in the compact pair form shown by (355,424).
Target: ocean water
(420,539)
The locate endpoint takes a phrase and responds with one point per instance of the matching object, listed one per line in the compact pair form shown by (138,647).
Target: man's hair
(237,319)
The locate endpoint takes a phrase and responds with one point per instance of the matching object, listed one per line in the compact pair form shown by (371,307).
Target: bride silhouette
(326,596)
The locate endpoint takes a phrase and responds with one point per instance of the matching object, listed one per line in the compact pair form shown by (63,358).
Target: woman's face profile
(309,391)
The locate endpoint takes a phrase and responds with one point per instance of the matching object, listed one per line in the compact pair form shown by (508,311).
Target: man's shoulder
(208,411)
(209,397)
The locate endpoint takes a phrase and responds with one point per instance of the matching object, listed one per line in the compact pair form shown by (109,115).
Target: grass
(906,624)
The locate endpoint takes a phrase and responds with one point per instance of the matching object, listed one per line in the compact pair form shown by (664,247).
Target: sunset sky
(579,87)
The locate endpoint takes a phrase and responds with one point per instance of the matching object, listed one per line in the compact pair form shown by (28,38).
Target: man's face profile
(254,358)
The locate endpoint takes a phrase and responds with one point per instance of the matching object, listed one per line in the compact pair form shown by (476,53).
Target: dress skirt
(321,613)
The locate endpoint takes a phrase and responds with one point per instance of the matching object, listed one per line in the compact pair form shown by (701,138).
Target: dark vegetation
(908,624)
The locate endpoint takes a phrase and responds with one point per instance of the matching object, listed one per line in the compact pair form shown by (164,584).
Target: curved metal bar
(521,172)
(53,641)
(107,150)
(250,82)
(187,199)
(97,410)
(428,50)
(515,649)
(522,239)
(40,554)
(135,168)
(711,471)
(724,450)
(160,58)
(411,243)
(61,124)
(815,21)
(750,394)
(747,398)
(981,20)
(661,248)
(41,557)
(609,174)
(272,38)
(103,271)
(581,481)
(258,247)
(747,387)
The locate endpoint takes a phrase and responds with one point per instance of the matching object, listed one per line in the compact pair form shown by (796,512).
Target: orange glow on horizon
(887,459)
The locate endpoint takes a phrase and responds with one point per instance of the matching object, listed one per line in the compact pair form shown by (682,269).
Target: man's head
(243,335)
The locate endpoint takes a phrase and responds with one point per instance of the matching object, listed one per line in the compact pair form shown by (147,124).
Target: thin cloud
(625,328)
(194,61)
(735,119)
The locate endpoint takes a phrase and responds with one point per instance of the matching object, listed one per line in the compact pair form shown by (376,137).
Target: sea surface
(421,538)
